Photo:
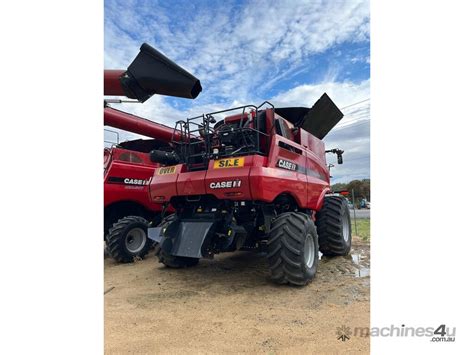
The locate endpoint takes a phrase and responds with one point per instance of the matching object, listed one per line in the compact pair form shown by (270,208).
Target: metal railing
(112,143)
(195,138)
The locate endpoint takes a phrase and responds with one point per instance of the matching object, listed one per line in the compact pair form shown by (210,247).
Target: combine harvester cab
(255,180)
(127,167)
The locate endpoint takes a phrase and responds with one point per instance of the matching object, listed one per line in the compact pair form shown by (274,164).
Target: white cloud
(235,51)
(342,93)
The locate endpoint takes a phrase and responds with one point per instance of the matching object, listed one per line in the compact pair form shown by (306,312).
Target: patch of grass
(363,229)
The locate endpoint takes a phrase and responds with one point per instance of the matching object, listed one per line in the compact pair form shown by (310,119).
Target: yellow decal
(166,170)
(229,163)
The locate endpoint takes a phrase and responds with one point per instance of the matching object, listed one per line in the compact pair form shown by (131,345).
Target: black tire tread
(285,246)
(114,240)
(329,226)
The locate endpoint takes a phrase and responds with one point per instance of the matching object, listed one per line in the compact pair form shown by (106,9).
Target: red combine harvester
(257,179)
(127,167)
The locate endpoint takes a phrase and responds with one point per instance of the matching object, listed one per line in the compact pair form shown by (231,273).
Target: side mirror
(338,152)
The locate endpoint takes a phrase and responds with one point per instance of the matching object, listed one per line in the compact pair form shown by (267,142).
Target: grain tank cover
(318,120)
(153,73)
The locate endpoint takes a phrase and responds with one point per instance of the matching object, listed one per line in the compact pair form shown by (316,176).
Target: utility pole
(354,205)
(329,168)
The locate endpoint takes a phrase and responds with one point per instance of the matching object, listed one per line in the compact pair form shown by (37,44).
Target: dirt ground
(229,305)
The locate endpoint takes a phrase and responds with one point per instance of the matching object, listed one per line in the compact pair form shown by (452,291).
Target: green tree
(339,186)
(361,189)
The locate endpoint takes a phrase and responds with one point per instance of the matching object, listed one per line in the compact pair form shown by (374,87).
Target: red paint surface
(261,178)
(115,167)
(136,124)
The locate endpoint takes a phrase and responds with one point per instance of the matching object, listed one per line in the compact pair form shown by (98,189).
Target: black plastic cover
(319,120)
(151,73)
(292,114)
(182,238)
(163,157)
(143,145)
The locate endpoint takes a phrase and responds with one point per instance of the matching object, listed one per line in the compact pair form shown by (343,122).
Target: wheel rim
(135,240)
(309,251)
(345,229)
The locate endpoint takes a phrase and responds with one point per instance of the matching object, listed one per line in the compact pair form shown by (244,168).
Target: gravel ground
(229,305)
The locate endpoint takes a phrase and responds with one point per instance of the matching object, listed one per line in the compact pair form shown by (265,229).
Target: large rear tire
(333,223)
(293,249)
(171,261)
(127,239)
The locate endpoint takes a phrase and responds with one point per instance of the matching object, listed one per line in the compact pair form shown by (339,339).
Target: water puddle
(362,271)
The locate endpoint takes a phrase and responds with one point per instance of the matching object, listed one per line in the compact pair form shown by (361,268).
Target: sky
(246,52)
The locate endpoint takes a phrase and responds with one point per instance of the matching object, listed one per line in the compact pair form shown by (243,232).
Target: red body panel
(286,181)
(241,174)
(168,186)
(191,183)
(260,178)
(126,178)
(318,178)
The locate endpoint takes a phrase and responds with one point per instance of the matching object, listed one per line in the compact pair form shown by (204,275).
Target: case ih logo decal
(229,163)
(128,181)
(167,170)
(288,165)
(225,184)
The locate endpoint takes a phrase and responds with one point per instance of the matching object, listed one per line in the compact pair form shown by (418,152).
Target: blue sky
(287,52)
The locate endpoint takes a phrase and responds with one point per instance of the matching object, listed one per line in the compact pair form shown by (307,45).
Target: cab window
(130,157)
(282,129)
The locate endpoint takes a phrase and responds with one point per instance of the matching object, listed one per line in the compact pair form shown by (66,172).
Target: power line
(355,124)
(355,118)
(358,108)
(356,115)
(358,111)
(356,103)
(348,160)
(353,177)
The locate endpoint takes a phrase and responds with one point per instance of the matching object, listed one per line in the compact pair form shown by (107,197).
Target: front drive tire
(171,261)
(293,249)
(333,223)
(127,239)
